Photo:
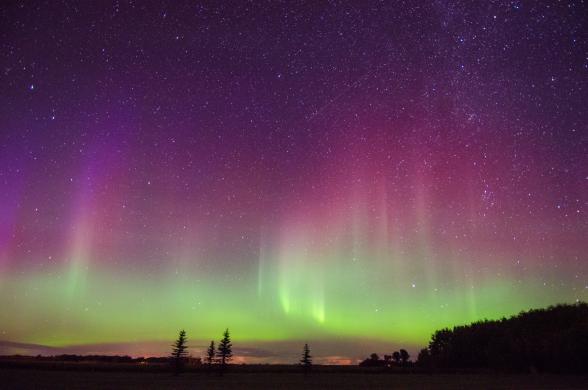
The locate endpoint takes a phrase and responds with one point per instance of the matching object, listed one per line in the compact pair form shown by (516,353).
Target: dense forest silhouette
(542,340)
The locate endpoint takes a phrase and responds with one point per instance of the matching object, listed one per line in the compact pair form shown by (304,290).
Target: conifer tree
(225,351)
(210,354)
(306,360)
(179,352)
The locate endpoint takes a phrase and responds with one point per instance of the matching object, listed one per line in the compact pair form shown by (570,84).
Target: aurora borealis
(354,175)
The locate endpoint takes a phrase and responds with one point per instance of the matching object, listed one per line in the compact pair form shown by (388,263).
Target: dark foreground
(43,379)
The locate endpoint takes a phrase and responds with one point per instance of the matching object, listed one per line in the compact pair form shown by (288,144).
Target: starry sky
(354,175)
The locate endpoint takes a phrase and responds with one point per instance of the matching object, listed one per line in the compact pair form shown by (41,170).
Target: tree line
(399,358)
(542,340)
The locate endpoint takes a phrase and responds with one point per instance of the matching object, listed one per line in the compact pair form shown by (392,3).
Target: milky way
(343,174)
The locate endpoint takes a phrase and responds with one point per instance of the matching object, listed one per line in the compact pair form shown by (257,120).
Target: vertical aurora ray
(78,253)
(88,229)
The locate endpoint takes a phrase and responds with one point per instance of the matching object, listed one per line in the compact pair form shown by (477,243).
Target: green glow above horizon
(112,307)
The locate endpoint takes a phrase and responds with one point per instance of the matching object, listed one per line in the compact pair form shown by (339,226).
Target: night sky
(354,175)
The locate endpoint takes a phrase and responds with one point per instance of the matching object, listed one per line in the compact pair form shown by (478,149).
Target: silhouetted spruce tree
(179,352)
(404,356)
(396,357)
(225,352)
(306,360)
(210,354)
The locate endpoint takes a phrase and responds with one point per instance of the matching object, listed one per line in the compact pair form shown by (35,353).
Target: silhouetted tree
(424,358)
(388,360)
(225,351)
(306,360)
(179,352)
(440,346)
(210,354)
(396,357)
(374,357)
(404,356)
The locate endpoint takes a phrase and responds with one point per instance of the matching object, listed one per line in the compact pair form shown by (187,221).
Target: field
(18,378)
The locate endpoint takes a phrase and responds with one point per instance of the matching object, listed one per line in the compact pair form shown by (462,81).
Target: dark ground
(13,378)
